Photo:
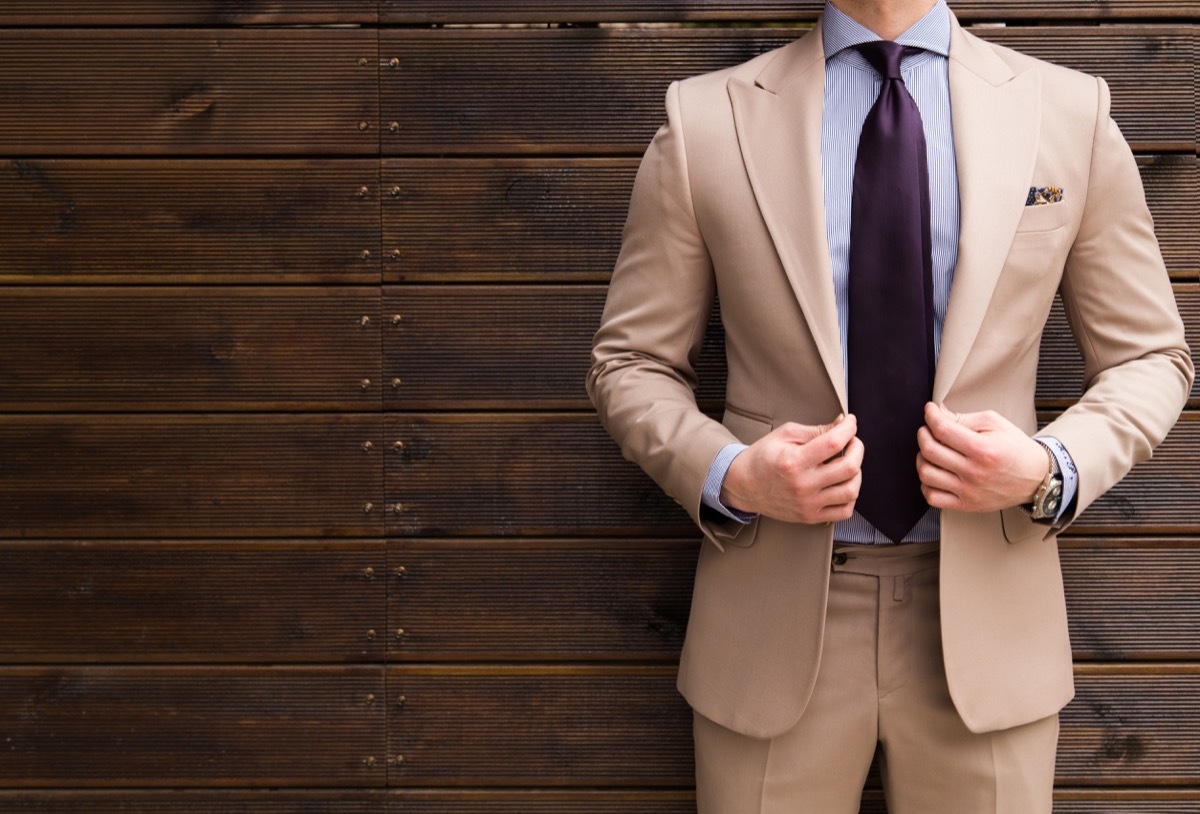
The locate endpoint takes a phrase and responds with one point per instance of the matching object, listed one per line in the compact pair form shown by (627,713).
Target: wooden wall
(302,504)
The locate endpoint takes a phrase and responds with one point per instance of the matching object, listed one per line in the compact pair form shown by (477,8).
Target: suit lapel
(778,121)
(995,115)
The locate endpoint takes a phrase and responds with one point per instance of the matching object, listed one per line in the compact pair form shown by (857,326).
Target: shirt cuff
(711,496)
(1070,474)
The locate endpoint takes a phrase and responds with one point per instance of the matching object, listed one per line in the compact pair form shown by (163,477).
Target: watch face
(1052,500)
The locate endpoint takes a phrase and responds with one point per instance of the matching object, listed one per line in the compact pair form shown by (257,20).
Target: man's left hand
(977,462)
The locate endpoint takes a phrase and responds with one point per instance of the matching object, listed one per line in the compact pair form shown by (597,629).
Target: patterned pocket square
(1040,196)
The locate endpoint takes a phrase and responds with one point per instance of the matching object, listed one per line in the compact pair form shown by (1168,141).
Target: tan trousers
(881,682)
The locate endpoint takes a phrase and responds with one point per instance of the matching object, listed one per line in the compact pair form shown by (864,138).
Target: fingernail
(840,418)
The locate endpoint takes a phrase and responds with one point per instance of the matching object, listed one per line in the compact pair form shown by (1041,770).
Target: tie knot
(885,56)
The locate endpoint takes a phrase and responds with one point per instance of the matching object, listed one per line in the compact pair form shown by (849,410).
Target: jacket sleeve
(1119,302)
(642,379)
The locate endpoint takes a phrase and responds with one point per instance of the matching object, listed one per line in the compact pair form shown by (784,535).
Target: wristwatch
(1048,498)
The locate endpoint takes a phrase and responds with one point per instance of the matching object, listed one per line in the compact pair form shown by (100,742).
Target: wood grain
(93,349)
(463,91)
(161,727)
(186,12)
(153,476)
(578,11)
(188,91)
(171,603)
(189,221)
(559,220)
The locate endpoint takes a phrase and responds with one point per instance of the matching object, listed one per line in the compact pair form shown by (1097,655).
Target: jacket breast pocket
(1043,219)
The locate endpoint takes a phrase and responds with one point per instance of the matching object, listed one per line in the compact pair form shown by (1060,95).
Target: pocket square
(1040,196)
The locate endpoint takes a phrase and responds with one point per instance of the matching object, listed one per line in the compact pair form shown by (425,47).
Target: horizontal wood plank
(550,220)
(236,801)
(186,12)
(529,347)
(527,600)
(581,727)
(585,729)
(163,603)
(88,349)
(188,91)
(189,221)
(539,601)
(517,475)
(463,91)
(554,474)
(154,476)
(140,727)
(580,11)
(514,219)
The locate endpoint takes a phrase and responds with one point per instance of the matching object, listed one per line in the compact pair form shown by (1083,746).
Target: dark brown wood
(188,91)
(462,91)
(529,347)
(123,477)
(518,475)
(559,220)
(164,603)
(1132,598)
(186,12)
(161,727)
(556,474)
(1131,725)
(511,727)
(189,221)
(588,727)
(165,349)
(579,11)
(531,601)
(618,600)
(239,801)
(514,219)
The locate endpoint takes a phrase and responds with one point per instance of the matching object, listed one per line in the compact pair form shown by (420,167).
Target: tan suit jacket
(729,201)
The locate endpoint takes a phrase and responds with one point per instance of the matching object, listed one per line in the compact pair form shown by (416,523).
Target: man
(886,227)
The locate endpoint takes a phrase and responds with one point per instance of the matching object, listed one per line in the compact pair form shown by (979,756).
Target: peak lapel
(778,121)
(996,118)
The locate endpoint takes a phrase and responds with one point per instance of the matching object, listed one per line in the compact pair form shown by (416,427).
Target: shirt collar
(839,31)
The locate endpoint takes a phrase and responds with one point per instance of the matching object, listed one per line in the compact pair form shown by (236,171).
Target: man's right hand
(798,473)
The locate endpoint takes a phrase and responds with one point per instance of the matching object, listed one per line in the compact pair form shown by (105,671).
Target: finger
(939,454)
(947,428)
(941,499)
(830,443)
(936,477)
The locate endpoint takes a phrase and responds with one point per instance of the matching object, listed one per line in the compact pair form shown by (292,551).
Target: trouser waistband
(884,560)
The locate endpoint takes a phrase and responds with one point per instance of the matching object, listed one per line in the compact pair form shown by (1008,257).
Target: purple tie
(890,343)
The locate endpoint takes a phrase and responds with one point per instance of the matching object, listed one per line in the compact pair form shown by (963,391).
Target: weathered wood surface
(238,801)
(463,91)
(188,91)
(177,603)
(161,727)
(581,11)
(195,476)
(189,221)
(544,474)
(560,220)
(529,347)
(188,12)
(95,349)
(589,727)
